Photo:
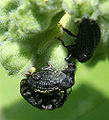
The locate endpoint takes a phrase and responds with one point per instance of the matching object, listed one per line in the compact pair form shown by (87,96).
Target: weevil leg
(71,65)
(70,91)
(59,38)
(70,69)
(67,31)
(28,74)
(69,47)
(71,52)
(68,57)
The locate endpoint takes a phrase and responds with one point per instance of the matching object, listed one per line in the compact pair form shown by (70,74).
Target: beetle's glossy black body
(47,89)
(50,80)
(87,40)
(40,100)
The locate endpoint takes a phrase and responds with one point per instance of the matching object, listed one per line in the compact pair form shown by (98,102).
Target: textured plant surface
(28,31)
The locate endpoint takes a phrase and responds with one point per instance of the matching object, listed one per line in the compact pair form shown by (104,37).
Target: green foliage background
(28,30)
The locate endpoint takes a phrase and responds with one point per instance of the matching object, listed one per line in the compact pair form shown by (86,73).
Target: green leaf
(28,28)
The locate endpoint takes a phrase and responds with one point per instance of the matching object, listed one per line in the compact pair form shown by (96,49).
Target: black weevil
(48,89)
(87,40)
(41,100)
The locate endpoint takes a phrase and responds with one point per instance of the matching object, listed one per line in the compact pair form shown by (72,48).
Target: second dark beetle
(87,40)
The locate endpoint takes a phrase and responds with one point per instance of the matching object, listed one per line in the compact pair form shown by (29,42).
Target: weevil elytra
(87,40)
